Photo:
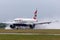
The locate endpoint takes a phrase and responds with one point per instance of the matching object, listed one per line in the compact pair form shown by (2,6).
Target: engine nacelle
(31,26)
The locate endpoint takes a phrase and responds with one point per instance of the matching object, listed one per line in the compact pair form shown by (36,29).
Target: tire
(32,26)
(12,26)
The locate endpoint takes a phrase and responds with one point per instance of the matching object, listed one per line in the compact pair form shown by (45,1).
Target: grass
(28,37)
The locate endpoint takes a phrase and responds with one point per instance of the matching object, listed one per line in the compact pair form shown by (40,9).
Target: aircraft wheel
(32,26)
(12,26)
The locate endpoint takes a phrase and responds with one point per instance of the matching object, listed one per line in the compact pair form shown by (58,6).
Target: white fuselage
(24,20)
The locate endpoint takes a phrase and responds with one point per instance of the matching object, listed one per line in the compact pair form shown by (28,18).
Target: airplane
(26,22)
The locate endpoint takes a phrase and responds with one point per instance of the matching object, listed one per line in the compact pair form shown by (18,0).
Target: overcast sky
(11,9)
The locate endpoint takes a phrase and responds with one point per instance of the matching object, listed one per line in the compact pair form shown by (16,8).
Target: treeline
(2,25)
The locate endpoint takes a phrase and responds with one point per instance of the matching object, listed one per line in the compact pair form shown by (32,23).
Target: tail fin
(35,15)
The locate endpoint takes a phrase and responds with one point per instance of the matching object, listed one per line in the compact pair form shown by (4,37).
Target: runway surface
(28,34)
(22,33)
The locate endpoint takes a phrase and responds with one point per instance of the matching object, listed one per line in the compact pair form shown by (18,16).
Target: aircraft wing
(46,22)
(42,23)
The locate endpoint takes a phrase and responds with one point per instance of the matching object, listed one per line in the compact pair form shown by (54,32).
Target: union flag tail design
(35,15)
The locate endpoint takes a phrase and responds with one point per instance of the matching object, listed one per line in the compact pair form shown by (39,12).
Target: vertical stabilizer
(35,15)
